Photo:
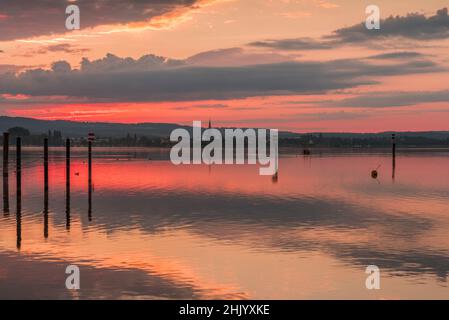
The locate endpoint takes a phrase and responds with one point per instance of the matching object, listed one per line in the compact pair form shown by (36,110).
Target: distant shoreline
(313,150)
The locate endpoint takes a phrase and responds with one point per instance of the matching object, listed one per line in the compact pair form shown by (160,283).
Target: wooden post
(393,140)
(19,191)
(6,173)
(67,163)
(46,188)
(89,148)
(5,153)
(46,174)
(67,187)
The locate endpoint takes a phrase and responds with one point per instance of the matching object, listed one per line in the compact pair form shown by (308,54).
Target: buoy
(306,152)
(374,173)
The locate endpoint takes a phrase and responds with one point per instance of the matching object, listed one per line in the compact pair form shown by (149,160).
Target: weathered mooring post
(46,187)
(67,186)
(393,140)
(89,148)
(19,192)
(5,153)
(5,173)
(67,163)
(46,174)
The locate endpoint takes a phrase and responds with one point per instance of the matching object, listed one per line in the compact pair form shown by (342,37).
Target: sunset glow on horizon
(301,66)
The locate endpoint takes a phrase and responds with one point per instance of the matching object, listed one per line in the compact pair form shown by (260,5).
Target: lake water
(159,231)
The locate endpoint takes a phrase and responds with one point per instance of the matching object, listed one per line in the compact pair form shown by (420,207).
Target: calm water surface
(158,231)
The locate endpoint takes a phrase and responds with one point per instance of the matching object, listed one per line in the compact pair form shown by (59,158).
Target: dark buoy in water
(306,152)
(375,173)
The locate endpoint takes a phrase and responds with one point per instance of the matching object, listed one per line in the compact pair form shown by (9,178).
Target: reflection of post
(275,177)
(5,173)
(393,139)
(19,172)
(19,191)
(90,179)
(45,223)
(19,227)
(46,187)
(67,186)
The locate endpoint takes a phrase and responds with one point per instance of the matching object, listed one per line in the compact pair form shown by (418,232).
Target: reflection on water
(144,228)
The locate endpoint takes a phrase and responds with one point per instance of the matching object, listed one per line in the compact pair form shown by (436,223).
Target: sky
(297,65)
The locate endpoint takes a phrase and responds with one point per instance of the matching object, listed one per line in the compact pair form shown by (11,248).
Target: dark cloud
(62,47)
(24,18)
(397,55)
(153,78)
(295,44)
(61,66)
(389,99)
(413,26)
(112,63)
(7,68)
(235,57)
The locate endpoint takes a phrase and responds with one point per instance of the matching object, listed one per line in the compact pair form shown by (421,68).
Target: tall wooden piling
(5,173)
(67,163)
(5,153)
(19,192)
(67,186)
(393,141)
(89,151)
(46,188)
(45,174)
